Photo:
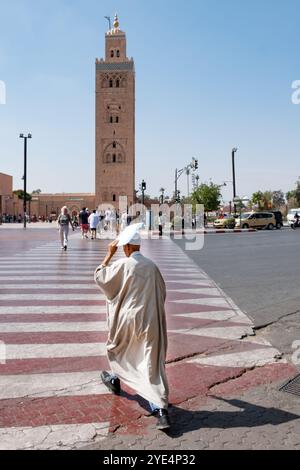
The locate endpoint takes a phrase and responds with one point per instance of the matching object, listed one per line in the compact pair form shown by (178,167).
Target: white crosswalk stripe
(54,437)
(35,351)
(51,385)
(52,326)
(52,310)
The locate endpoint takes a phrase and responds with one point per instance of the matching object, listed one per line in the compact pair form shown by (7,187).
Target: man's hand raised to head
(113,248)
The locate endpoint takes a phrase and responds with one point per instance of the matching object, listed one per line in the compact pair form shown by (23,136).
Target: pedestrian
(160,224)
(137,338)
(84,222)
(63,222)
(93,222)
(107,219)
(124,220)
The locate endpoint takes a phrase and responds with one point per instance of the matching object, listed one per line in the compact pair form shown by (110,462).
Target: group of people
(91,223)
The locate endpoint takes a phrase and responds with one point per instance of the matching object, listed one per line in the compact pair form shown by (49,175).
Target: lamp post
(162,191)
(234,150)
(22,136)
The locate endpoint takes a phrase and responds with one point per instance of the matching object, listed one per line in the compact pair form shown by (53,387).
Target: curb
(205,232)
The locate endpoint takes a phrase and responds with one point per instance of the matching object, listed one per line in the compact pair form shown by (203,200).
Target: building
(6,192)
(115,121)
(115,140)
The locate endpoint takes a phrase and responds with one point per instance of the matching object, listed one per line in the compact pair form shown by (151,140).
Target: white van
(291,215)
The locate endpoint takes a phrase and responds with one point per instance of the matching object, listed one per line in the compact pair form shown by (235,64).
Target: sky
(210,75)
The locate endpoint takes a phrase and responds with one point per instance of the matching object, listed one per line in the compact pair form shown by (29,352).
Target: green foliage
(268,199)
(20,194)
(209,195)
(294,195)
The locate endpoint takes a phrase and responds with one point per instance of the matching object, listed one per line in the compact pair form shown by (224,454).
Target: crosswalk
(53,326)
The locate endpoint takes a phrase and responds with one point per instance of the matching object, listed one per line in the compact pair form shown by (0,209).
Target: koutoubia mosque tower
(115,121)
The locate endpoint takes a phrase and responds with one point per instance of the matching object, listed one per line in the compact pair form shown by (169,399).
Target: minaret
(115,121)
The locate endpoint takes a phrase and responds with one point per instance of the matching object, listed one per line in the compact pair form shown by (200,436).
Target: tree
(257,198)
(290,195)
(36,191)
(297,195)
(293,197)
(209,195)
(278,199)
(20,194)
(268,199)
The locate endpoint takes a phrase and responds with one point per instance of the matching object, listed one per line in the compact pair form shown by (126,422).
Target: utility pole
(22,136)
(234,150)
(191,166)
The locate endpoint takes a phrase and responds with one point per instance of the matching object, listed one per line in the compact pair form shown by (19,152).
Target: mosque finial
(116,22)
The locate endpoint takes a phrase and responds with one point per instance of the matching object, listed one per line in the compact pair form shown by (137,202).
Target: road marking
(31,277)
(216,316)
(52,326)
(69,287)
(256,358)
(36,351)
(212,302)
(53,309)
(199,290)
(62,436)
(51,385)
(51,297)
(228,332)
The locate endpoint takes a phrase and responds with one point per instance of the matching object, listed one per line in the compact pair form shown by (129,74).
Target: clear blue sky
(211,74)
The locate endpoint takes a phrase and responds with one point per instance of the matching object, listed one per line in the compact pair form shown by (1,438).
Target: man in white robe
(137,338)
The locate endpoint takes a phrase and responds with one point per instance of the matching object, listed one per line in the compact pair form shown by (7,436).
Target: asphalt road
(261,273)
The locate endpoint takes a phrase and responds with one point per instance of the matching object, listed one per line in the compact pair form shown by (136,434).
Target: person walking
(93,223)
(84,222)
(160,224)
(137,338)
(107,218)
(63,222)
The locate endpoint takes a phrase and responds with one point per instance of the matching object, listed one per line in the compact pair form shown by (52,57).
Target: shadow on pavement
(248,415)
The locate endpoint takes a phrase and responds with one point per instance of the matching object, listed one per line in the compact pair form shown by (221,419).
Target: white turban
(130,235)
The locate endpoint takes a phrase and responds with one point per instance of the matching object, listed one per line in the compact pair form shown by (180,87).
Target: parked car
(256,220)
(291,216)
(278,219)
(226,222)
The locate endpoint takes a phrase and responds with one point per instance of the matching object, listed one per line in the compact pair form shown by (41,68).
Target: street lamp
(162,191)
(22,136)
(234,150)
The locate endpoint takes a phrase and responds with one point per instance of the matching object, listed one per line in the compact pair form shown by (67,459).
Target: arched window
(118,83)
(114,198)
(114,145)
(117,119)
(118,53)
(110,83)
(112,53)
(114,158)
(111,119)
